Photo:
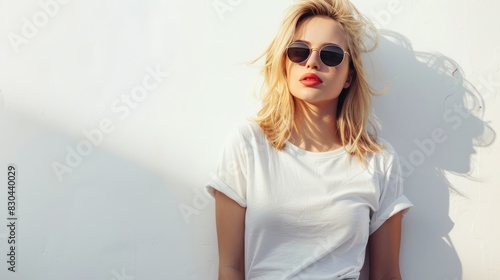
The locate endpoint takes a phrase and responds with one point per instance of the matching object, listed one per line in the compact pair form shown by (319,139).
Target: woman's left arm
(384,246)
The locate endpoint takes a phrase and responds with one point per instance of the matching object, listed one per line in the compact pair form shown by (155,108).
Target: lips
(310,79)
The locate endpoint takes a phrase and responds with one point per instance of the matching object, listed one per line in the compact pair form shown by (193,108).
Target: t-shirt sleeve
(392,200)
(230,176)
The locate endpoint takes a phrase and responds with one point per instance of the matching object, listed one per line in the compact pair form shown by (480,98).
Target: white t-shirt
(308,214)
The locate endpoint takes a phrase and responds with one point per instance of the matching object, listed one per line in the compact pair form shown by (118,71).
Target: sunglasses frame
(319,52)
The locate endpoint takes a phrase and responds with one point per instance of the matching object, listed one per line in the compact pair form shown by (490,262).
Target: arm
(230,221)
(384,246)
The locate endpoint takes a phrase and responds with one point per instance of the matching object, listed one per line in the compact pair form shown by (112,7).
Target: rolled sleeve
(217,184)
(392,200)
(230,177)
(400,204)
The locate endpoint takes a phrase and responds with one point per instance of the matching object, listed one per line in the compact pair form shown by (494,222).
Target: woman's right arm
(230,221)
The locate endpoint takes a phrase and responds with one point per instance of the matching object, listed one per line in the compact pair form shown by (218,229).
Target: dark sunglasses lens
(298,52)
(332,55)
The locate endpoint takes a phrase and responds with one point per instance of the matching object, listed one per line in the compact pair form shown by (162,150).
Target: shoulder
(247,128)
(388,155)
(246,134)
(248,131)
(388,149)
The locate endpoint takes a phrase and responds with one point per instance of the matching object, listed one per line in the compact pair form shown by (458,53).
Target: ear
(350,77)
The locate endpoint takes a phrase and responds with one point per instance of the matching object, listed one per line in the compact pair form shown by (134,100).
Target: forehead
(321,30)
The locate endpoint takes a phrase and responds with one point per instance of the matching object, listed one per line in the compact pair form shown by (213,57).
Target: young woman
(306,188)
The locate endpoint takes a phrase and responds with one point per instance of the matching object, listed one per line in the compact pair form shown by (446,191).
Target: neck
(315,126)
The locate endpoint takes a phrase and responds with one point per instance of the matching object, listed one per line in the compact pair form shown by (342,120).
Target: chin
(315,97)
(321,101)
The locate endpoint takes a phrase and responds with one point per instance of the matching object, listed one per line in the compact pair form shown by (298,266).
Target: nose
(313,61)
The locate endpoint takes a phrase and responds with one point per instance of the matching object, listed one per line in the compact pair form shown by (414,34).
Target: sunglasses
(331,55)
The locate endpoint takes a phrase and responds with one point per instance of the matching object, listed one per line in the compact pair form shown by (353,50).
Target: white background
(130,205)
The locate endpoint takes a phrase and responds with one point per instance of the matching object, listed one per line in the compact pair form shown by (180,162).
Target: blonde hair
(356,130)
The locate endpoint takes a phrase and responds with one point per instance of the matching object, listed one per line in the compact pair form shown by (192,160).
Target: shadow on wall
(433,118)
(110,218)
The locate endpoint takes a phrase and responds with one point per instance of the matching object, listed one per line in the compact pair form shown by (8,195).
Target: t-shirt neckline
(317,155)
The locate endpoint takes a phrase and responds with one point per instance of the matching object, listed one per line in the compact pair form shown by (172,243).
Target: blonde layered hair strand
(354,125)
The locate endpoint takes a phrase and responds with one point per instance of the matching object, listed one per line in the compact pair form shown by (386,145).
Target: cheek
(292,75)
(293,72)
(289,70)
(340,75)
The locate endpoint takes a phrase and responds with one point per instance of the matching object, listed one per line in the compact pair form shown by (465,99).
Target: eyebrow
(309,43)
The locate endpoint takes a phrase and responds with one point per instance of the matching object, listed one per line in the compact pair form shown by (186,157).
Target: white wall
(158,85)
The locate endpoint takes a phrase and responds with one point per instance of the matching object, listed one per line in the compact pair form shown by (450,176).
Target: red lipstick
(310,80)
